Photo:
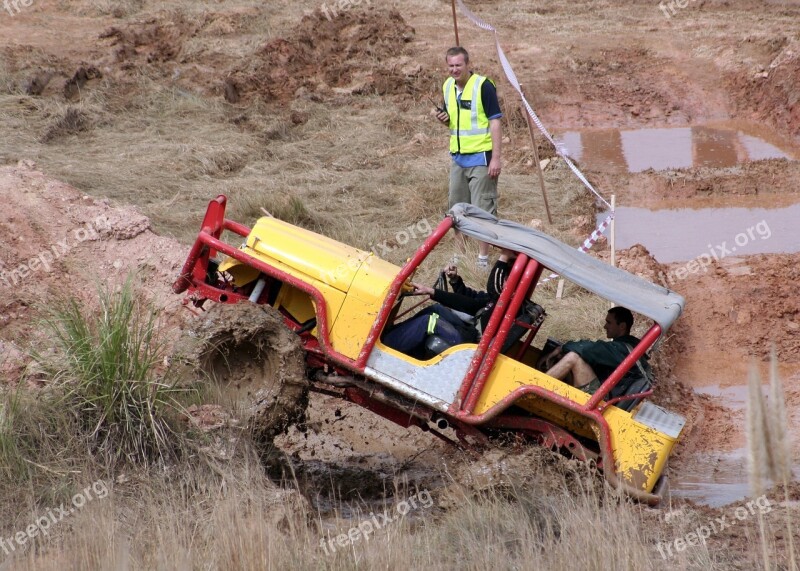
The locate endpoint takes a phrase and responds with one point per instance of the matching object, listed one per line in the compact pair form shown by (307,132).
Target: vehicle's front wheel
(256,366)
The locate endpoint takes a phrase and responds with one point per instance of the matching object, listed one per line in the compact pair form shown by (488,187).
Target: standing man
(473,114)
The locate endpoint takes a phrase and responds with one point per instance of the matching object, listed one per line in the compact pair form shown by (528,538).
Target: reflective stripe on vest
(469,128)
(434,317)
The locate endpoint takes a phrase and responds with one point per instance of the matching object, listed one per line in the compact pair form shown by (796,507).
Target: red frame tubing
(491,328)
(361,398)
(524,346)
(533,270)
(608,403)
(394,290)
(209,241)
(214,223)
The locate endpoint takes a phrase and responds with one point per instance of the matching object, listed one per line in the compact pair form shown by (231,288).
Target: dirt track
(622,65)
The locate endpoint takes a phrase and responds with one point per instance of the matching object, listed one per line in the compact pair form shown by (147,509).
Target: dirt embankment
(361,53)
(59,242)
(769,90)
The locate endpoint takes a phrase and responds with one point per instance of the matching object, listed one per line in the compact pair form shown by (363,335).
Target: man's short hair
(456,51)
(622,315)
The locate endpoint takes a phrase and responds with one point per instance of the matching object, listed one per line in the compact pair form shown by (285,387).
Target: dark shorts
(592,387)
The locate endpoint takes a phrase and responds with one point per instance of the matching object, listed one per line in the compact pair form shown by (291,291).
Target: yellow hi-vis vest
(469,126)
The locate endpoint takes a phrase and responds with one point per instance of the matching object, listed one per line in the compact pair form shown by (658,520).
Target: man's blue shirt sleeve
(491,106)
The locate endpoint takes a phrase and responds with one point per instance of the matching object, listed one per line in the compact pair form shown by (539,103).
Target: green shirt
(605,356)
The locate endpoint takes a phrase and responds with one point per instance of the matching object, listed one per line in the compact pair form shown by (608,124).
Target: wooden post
(560,288)
(613,232)
(455,20)
(536,159)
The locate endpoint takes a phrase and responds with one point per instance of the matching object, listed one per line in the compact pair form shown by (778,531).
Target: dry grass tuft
(72,121)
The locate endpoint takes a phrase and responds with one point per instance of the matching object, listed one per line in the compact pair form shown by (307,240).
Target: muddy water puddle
(713,479)
(716,146)
(706,234)
(718,475)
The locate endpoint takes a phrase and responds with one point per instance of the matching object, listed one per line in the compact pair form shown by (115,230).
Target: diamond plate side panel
(440,379)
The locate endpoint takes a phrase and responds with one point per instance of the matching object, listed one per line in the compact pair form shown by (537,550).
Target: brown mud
(619,66)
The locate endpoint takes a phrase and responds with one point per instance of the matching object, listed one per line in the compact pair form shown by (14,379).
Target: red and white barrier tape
(589,242)
(512,79)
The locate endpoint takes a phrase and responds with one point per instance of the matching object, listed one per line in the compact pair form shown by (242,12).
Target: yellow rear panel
(640,451)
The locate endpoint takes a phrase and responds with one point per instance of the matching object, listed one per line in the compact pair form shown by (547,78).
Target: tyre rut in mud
(256,364)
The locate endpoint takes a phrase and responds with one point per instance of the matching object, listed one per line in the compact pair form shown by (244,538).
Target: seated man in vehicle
(589,363)
(439,320)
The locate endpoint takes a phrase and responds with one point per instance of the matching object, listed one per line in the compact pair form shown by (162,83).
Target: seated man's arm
(459,302)
(460,288)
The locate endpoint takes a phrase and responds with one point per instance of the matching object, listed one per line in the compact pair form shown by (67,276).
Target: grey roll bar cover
(658,303)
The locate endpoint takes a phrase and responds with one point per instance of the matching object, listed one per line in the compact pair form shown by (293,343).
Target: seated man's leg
(410,334)
(447,331)
(582,373)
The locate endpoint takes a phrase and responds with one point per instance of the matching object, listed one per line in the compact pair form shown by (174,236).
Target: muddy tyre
(256,365)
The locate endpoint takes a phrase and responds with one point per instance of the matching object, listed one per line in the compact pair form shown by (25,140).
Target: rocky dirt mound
(356,52)
(772,93)
(638,261)
(157,39)
(58,242)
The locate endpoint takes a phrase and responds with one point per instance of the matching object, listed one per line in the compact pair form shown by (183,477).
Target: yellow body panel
(640,451)
(364,300)
(308,253)
(348,278)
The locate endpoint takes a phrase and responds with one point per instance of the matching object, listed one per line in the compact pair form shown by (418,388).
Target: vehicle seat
(529,317)
(639,386)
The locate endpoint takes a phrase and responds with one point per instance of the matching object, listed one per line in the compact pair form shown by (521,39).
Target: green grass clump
(107,363)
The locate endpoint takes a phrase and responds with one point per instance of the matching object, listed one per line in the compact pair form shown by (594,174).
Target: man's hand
(451,271)
(494,167)
(442,116)
(421,290)
(496,131)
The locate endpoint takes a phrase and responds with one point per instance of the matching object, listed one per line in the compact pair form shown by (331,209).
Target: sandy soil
(622,65)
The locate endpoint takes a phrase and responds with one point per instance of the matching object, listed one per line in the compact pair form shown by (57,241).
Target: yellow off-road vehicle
(332,302)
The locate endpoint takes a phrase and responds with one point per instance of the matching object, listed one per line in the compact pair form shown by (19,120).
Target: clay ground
(124,118)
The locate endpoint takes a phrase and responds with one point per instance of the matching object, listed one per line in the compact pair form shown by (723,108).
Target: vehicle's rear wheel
(256,366)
